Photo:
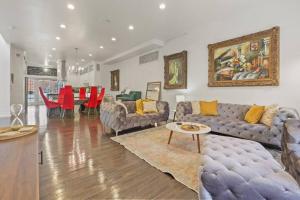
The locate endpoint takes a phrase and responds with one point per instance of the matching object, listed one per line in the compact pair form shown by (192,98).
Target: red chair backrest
(46,100)
(82,93)
(68,103)
(61,96)
(93,98)
(101,96)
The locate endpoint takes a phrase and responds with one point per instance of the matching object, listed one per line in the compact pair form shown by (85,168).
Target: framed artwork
(175,74)
(251,60)
(115,80)
(153,91)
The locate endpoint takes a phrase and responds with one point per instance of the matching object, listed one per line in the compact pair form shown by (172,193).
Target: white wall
(241,22)
(4,78)
(92,78)
(18,68)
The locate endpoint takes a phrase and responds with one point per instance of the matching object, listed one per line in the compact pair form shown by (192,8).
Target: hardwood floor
(80,162)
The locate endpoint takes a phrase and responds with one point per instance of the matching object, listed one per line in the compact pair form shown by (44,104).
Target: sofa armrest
(292,131)
(112,115)
(281,117)
(290,148)
(163,109)
(182,109)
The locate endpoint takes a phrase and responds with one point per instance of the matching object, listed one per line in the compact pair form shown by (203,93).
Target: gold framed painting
(175,72)
(251,60)
(115,80)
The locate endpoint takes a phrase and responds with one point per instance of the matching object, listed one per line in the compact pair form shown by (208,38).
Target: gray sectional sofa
(114,116)
(231,122)
(234,169)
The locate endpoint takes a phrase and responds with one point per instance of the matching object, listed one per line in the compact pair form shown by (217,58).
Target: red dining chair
(68,100)
(82,93)
(92,103)
(61,95)
(100,97)
(51,105)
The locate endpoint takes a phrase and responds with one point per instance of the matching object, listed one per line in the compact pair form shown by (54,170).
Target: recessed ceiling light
(162,6)
(53,49)
(50,56)
(101,47)
(58,38)
(63,26)
(90,55)
(71,6)
(113,39)
(82,60)
(131,27)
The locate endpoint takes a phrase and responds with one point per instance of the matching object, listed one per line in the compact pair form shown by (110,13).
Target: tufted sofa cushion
(234,168)
(231,122)
(233,111)
(291,148)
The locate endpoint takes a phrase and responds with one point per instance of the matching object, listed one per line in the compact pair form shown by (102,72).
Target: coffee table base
(198,140)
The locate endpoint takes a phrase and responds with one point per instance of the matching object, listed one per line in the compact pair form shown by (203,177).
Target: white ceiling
(94,22)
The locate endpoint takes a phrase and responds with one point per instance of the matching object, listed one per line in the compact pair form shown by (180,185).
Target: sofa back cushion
(130,106)
(233,111)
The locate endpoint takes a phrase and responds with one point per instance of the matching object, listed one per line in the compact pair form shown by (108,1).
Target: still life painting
(251,60)
(115,80)
(175,75)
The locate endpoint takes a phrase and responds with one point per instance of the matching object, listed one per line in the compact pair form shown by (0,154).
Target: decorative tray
(17,131)
(189,127)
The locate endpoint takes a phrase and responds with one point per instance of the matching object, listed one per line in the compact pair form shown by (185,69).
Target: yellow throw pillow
(149,107)
(254,114)
(269,114)
(209,108)
(139,107)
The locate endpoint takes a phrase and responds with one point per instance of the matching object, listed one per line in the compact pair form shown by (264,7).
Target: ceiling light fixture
(71,6)
(57,38)
(101,47)
(82,60)
(50,56)
(63,26)
(131,27)
(162,6)
(90,55)
(53,49)
(113,39)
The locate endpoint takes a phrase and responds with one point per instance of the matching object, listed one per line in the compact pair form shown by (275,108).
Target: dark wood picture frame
(273,59)
(182,74)
(115,80)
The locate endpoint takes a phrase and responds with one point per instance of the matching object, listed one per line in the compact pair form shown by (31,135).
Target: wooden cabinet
(19,168)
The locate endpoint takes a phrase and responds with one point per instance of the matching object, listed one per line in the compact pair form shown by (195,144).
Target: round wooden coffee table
(177,127)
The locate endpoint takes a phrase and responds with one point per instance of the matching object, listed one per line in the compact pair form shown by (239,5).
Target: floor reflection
(82,163)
